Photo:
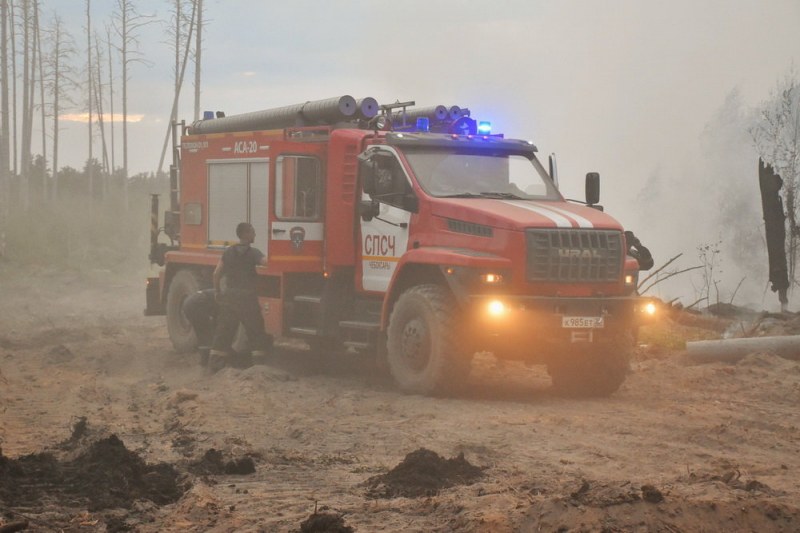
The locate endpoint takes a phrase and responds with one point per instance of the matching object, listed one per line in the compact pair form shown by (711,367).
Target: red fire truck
(414,234)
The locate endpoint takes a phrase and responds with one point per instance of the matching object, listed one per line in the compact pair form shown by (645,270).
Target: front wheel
(592,370)
(181,333)
(424,353)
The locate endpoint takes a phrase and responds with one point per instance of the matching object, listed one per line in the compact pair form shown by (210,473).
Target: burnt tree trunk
(775,227)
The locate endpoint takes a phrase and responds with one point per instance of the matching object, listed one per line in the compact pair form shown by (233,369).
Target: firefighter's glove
(631,239)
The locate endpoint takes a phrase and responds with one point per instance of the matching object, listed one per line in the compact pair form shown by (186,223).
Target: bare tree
(13,85)
(176,30)
(127,22)
(5,178)
(90,85)
(98,104)
(42,107)
(5,163)
(198,49)
(27,101)
(179,29)
(776,136)
(111,97)
(60,83)
(179,84)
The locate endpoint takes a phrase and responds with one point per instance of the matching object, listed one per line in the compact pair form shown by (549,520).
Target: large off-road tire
(424,353)
(181,333)
(592,370)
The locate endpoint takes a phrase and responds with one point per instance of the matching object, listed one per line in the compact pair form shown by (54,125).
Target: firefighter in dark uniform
(638,251)
(200,309)
(235,283)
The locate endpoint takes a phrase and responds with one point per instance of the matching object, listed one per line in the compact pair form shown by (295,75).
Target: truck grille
(574,255)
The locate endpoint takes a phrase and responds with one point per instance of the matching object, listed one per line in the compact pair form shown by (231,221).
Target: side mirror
(553,169)
(592,188)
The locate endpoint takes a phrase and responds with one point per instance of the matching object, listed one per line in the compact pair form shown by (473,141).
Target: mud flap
(153,304)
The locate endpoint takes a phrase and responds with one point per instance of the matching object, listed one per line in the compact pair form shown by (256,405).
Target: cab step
(357,345)
(305,331)
(308,298)
(357,324)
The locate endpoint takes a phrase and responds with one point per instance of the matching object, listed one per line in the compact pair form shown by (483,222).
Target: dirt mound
(678,515)
(213,463)
(106,475)
(423,473)
(325,522)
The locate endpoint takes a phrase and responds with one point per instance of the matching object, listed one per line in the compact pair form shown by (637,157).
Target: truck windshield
(447,173)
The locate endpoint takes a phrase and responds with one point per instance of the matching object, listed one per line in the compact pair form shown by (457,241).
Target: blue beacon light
(484,127)
(423,124)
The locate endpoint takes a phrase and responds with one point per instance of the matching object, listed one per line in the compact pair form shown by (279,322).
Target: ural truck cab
(414,235)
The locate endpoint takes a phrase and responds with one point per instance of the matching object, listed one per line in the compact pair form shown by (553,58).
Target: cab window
(298,188)
(391,183)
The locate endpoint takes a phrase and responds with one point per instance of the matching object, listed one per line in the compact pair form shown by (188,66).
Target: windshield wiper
(462,195)
(509,195)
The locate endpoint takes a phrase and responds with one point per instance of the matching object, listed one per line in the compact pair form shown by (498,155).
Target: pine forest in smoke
(78,63)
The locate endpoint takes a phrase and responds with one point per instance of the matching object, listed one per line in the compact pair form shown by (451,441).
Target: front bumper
(512,320)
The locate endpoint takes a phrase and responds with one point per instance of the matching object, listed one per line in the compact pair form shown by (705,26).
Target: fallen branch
(696,302)
(659,269)
(737,289)
(671,274)
(14,526)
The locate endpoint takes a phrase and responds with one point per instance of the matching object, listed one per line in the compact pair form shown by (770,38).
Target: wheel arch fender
(171,269)
(429,265)
(409,274)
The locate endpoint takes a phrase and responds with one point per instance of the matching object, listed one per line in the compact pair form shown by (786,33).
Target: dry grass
(668,335)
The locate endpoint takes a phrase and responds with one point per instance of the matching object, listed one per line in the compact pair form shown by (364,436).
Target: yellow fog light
(491,278)
(496,308)
(650,308)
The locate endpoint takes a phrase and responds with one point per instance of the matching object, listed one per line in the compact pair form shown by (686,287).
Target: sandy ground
(716,446)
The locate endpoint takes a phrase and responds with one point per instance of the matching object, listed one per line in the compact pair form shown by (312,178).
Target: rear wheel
(181,333)
(596,370)
(424,354)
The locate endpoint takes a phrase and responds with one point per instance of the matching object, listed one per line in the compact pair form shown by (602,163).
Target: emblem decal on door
(298,236)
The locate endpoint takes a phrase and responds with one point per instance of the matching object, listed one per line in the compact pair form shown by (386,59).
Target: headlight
(496,308)
(650,309)
(491,278)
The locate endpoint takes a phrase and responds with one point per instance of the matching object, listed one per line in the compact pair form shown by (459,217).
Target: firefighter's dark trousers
(240,308)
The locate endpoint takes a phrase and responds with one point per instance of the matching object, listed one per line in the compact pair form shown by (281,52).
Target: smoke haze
(626,88)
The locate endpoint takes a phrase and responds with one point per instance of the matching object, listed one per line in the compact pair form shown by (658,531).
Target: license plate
(582,322)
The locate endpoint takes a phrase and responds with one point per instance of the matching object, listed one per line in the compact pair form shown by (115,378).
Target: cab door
(385,212)
(297,228)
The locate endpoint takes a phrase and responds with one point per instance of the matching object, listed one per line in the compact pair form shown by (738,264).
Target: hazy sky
(616,86)
(622,87)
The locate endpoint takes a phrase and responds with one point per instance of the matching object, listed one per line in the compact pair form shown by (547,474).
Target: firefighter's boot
(262,355)
(217,361)
(205,353)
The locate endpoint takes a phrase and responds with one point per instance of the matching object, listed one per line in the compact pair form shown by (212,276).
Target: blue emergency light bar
(484,127)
